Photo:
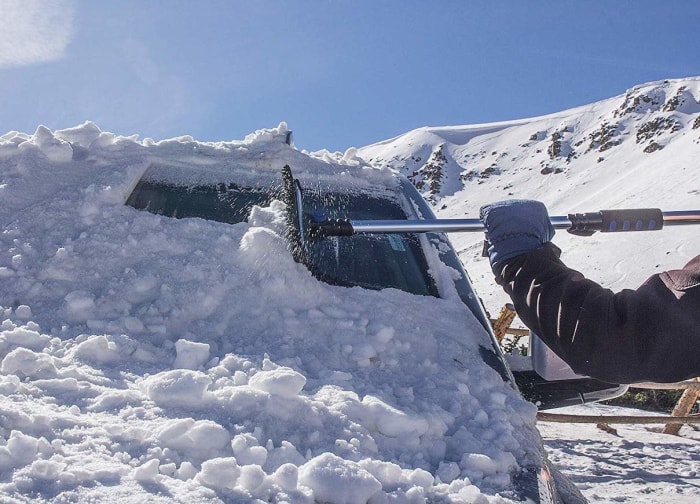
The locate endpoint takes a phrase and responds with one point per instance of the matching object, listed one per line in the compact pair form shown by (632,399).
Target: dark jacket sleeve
(648,334)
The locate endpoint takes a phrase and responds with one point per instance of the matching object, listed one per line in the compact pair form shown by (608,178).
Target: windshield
(374,261)
(219,202)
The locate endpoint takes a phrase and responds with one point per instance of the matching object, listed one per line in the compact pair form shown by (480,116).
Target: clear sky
(341,73)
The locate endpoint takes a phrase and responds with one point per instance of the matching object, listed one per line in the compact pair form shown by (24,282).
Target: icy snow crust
(144,358)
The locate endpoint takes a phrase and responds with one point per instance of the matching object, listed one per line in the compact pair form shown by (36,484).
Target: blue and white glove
(515,227)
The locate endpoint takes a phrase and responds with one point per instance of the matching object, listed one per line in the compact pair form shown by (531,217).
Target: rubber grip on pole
(641,219)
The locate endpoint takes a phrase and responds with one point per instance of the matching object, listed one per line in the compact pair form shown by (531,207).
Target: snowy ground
(642,465)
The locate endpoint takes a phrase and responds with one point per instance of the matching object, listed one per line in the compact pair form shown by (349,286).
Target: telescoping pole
(606,221)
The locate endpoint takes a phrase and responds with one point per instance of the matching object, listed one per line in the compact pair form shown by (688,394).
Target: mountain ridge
(650,113)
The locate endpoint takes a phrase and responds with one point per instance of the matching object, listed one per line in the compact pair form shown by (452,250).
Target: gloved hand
(515,227)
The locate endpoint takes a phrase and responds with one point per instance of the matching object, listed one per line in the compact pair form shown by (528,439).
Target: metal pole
(682,217)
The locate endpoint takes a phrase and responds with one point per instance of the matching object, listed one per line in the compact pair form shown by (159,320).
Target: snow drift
(148,358)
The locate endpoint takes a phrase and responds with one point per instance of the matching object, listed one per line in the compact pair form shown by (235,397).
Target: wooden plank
(688,384)
(683,408)
(502,323)
(616,419)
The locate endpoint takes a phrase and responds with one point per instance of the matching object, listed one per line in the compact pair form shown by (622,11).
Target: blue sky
(341,73)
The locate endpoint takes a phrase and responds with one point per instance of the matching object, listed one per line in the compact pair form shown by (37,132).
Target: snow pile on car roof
(143,357)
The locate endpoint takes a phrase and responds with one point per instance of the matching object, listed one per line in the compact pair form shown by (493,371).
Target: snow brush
(582,224)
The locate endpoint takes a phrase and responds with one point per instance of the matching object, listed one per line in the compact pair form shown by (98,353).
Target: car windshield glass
(374,261)
(219,202)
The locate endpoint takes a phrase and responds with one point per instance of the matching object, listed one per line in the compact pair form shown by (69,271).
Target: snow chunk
(338,481)
(23,312)
(55,149)
(286,453)
(268,135)
(98,349)
(82,135)
(148,472)
(22,361)
(421,478)
(26,336)
(48,470)
(264,251)
(286,477)
(186,471)
(220,473)
(251,477)
(177,388)
(246,450)
(272,217)
(282,381)
(114,399)
(389,474)
(200,438)
(471,494)
(191,355)
(478,465)
(20,450)
(448,471)
(393,422)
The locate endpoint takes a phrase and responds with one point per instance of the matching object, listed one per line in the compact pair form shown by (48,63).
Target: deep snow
(144,357)
(638,465)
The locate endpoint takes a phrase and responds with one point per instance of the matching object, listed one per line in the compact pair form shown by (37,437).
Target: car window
(221,202)
(374,261)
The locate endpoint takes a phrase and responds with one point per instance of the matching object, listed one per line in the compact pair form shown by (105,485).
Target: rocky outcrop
(554,149)
(656,127)
(604,138)
(430,175)
(637,102)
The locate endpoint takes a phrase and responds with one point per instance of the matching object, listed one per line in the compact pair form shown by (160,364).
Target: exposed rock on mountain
(430,175)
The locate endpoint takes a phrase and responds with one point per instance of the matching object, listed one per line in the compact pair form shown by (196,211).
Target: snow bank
(148,358)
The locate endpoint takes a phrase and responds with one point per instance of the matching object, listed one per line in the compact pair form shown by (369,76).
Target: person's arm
(648,334)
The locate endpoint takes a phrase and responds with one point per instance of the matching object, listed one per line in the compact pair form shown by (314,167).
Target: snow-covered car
(148,358)
(374,261)
(418,264)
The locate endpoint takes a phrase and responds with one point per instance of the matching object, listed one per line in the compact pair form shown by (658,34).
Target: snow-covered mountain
(639,149)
